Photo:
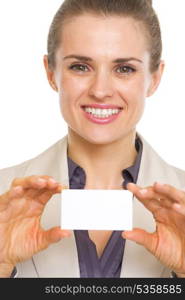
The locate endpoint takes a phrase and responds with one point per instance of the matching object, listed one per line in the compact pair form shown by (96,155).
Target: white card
(96,209)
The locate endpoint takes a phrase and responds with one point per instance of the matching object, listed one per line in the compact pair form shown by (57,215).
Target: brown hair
(140,10)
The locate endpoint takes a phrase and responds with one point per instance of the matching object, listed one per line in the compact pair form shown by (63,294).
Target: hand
(21,208)
(167,243)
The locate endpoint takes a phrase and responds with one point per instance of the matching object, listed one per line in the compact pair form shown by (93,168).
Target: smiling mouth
(102,113)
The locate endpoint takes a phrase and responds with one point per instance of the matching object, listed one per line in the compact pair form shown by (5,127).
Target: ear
(50,74)
(156,79)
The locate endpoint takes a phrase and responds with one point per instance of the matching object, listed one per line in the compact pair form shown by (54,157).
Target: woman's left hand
(167,243)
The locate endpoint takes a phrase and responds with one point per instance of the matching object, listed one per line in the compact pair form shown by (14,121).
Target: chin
(100,139)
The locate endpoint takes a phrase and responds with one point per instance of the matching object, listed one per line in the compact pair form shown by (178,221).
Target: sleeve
(14,273)
(173,275)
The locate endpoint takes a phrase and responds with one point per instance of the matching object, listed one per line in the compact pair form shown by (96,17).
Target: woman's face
(102,76)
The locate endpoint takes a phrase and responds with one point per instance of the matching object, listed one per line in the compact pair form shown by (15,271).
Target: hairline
(70,18)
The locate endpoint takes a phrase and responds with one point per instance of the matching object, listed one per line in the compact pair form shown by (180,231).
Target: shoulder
(155,167)
(179,173)
(38,163)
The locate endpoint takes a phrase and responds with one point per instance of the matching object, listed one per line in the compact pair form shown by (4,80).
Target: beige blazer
(61,259)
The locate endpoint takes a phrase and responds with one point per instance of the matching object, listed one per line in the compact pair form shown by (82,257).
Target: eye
(125,70)
(79,68)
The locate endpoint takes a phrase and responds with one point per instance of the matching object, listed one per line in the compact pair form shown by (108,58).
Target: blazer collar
(137,261)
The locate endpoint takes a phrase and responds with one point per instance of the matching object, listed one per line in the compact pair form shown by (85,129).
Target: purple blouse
(109,264)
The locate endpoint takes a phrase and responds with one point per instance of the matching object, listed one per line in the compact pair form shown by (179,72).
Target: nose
(101,86)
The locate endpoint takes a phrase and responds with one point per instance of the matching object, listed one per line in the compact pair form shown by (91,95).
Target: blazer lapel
(137,261)
(60,259)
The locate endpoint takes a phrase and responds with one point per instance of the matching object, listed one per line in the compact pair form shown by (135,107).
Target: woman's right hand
(21,235)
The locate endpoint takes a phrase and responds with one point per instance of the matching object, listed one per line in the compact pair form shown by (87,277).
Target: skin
(96,148)
(167,243)
(101,81)
(20,210)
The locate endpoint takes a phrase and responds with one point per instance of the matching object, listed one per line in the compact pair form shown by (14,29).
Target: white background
(30,119)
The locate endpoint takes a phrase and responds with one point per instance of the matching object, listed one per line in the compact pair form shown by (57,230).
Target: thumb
(142,237)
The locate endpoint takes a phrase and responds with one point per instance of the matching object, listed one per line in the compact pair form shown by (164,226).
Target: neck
(102,163)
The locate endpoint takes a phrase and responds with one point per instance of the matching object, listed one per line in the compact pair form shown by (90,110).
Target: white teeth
(101,113)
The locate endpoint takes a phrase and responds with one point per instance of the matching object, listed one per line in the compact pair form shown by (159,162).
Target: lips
(101,113)
(102,106)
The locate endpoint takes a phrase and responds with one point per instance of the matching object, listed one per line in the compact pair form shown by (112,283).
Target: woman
(104,59)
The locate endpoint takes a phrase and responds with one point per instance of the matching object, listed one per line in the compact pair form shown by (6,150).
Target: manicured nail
(52,180)
(66,234)
(17,189)
(177,206)
(40,183)
(159,183)
(41,180)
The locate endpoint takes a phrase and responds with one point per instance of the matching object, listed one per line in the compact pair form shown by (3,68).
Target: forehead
(103,36)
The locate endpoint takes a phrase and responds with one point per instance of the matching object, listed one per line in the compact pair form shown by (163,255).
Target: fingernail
(143,191)
(17,189)
(66,234)
(159,183)
(177,206)
(41,180)
(52,180)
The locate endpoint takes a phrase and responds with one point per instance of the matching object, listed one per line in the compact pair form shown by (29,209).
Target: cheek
(137,100)
(71,91)
(133,93)
(71,96)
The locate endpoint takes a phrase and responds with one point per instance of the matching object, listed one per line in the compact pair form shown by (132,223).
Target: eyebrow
(118,60)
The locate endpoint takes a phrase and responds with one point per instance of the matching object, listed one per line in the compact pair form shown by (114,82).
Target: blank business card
(96,209)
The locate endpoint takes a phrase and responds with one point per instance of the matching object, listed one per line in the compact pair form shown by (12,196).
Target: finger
(159,199)
(19,192)
(44,196)
(153,201)
(36,185)
(141,237)
(35,182)
(13,193)
(41,195)
(170,192)
(61,187)
(51,185)
(54,235)
(29,182)
(47,194)
(165,202)
(179,208)
(146,196)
